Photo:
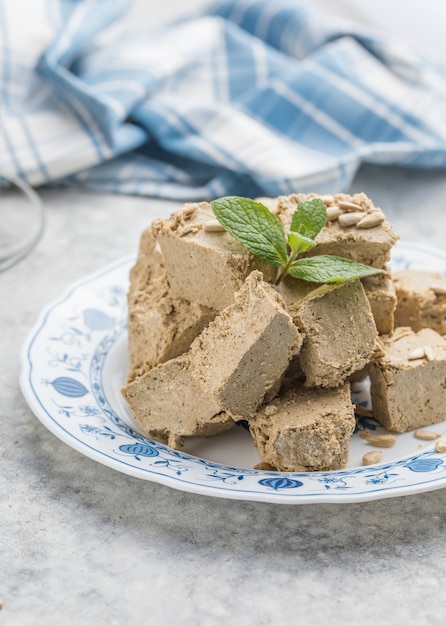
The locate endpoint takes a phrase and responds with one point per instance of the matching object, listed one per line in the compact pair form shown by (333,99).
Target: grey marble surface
(83,544)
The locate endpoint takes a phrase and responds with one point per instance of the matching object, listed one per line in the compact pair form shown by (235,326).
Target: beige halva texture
(212,341)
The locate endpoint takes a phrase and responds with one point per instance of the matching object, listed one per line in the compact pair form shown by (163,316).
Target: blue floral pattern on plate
(65,380)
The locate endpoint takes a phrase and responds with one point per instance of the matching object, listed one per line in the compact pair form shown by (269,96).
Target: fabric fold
(254,97)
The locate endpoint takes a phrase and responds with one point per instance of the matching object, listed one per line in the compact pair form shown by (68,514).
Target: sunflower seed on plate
(382,441)
(426,435)
(372,457)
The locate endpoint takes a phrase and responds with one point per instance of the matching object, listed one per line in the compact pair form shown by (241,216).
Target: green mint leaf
(254,226)
(309,218)
(299,243)
(329,269)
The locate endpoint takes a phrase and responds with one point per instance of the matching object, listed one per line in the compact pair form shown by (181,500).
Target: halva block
(245,350)
(170,404)
(355,228)
(408,380)
(421,300)
(305,429)
(204,263)
(380,292)
(160,326)
(338,328)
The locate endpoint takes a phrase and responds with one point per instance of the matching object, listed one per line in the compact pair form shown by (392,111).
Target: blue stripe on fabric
(7,106)
(339,63)
(5,90)
(298,73)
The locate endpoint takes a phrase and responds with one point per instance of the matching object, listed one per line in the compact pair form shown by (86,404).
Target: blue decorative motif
(332,482)
(97,432)
(68,387)
(280,482)
(227,477)
(424,465)
(69,335)
(83,410)
(380,479)
(97,320)
(172,464)
(138,450)
(71,363)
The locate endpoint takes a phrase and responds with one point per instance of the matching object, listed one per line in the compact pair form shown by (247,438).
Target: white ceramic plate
(75,360)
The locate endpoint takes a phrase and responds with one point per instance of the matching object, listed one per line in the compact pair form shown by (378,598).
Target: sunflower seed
(426,435)
(440,446)
(382,441)
(349,206)
(327,200)
(371,220)
(213,227)
(417,353)
(372,457)
(350,219)
(333,213)
(429,353)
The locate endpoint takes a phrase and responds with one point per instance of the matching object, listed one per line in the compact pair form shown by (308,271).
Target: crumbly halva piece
(380,292)
(242,354)
(149,266)
(421,300)
(162,329)
(338,328)
(408,380)
(204,263)
(160,326)
(169,404)
(230,367)
(355,229)
(305,429)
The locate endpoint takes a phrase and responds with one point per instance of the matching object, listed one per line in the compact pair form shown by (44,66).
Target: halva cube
(408,380)
(160,326)
(421,300)
(355,228)
(169,404)
(305,429)
(149,266)
(338,328)
(242,354)
(380,292)
(204,263)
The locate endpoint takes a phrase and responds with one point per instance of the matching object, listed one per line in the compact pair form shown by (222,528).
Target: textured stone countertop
(82,544)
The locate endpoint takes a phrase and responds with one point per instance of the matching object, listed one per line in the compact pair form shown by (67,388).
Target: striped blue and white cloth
(253,97)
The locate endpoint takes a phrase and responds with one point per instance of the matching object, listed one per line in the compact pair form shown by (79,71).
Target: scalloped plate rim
(277,494)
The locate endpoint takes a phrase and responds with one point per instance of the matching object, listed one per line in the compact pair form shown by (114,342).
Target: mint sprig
(261,232)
